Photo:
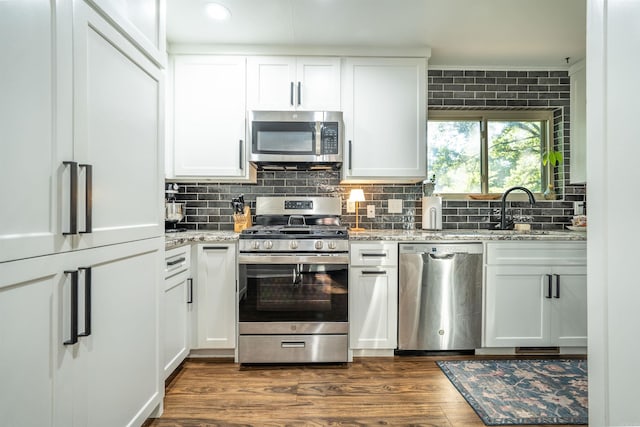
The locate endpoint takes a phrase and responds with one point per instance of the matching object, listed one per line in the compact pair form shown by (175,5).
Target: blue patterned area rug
(518,392)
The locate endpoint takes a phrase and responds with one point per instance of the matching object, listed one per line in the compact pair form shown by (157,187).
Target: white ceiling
(466,33)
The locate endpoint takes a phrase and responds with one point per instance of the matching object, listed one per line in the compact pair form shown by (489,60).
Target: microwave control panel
(329,137)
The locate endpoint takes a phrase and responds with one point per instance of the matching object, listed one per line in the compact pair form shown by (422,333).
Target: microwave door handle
(318,139)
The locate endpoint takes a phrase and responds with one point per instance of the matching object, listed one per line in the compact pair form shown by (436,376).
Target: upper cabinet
(578,159)
(143,21)
(384,103)
(293,83)
(207,139)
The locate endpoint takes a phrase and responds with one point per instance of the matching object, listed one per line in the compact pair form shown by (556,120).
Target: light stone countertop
(476,235)
(174,240)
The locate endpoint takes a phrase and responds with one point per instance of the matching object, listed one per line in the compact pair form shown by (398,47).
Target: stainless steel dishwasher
(440,296)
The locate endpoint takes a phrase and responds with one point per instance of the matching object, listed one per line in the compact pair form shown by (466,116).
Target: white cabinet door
(209,118)
(578,159)
(373,308)
(142,20)
(114,370)
(384,102)
(516,311)
(30,223)
(215,296)
(29,292)
(569,307)
(293,83)
(118,115)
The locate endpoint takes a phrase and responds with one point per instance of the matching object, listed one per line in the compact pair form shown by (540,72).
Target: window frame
(484,116)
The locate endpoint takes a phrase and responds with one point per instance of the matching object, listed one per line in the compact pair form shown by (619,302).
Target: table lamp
(356,195)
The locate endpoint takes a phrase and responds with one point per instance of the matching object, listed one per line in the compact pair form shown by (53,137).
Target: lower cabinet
(533,305)
(82,329)
(178,291)
(215,296)
(373,296)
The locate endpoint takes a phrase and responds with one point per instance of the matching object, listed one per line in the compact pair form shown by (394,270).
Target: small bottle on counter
(550,193)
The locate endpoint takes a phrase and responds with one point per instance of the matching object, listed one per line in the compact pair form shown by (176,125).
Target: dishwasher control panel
(441,248)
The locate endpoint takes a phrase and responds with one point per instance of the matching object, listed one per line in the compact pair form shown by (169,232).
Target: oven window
(294,292)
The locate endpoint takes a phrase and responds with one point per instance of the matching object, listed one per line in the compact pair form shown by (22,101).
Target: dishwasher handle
(441,257)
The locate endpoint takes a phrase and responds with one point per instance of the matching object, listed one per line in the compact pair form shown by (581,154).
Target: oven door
(301,288)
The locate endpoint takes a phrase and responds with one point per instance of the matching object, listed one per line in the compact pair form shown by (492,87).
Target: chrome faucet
(503,217)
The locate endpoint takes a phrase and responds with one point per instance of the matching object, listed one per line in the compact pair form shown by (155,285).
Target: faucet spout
(503,202)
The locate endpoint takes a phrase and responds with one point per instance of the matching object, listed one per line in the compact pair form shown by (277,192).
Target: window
(488,151)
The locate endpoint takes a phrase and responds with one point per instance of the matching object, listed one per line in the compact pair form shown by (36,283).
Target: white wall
(613,165)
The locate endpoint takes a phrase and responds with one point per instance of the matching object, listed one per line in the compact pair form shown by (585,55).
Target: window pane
(454,155)
(514,155)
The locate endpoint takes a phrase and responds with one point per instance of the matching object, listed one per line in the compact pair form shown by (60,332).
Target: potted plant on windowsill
(552,158)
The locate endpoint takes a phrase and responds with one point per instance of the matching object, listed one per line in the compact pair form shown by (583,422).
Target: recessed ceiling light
(217,11)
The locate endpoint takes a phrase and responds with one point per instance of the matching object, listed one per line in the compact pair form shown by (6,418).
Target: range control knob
(268,244)
(255,244)
(318,244)
(332,245)
(293,244)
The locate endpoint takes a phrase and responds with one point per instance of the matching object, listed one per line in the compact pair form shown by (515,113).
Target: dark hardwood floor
(370,391)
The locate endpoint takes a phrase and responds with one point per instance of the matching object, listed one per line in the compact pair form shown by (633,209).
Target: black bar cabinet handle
(190,299)
(73,337)
(241,154)
(557,295)
(299,93)
(73,198)
(374,254)
(549,285)
(177,261)
(215,248)
(88,215)
(87,302)
(350,155)
(291,93)
(374,272)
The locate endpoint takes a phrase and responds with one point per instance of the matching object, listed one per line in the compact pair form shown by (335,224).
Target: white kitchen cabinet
(373,296)
(31,153)
(98,104)
(385,121)
(293,83)
(176,313)
(578,126)
(209,110)
(111,374)
(215,296)
(532,299)
(143,21)
(29,291)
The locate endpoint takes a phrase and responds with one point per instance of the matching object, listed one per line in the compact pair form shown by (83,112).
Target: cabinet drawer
(177,260)
(537,253)
(383,253)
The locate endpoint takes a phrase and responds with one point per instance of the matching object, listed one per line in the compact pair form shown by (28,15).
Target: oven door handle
(293,259)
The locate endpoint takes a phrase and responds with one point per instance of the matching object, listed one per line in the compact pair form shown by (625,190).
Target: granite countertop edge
(174,240)
(470,235)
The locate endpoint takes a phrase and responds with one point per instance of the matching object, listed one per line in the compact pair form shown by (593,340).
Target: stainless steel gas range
(294,291)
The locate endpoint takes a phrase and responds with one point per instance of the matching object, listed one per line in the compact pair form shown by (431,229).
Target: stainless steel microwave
(296,139)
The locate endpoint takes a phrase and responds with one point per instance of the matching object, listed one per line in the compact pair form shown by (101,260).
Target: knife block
(242,220)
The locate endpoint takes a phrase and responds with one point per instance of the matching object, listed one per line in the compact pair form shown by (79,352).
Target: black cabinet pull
(557,295)
(87,301)
(73,198)
(299,93)
(549,285)
(241,155)
(73,336)
(215,248)
(88,202)
(374,255)
(350,155)
(177,261)
(291,94)
(190,298)
(374,272)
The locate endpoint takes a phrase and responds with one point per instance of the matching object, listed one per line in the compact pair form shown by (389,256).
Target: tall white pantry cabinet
(81,249)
